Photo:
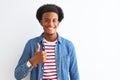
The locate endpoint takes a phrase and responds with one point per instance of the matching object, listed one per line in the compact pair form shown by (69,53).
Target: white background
(92,25)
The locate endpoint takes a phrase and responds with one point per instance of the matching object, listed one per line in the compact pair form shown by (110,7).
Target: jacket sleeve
(21,70)
(73,69)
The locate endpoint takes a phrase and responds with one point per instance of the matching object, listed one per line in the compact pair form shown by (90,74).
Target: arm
(73,70)
(21,69)
(34,57)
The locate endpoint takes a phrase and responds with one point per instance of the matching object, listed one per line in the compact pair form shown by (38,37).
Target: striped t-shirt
(50,71)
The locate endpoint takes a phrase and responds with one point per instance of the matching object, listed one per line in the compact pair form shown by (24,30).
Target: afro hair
(49,8)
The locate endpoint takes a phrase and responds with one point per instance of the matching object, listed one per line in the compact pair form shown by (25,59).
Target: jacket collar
(59,38)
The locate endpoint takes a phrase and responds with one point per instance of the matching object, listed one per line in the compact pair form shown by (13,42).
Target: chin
(49,33)
(52,33)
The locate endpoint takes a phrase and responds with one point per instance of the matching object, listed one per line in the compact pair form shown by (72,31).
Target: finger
(44,60)
(38,47)
(44,57)
(43,52)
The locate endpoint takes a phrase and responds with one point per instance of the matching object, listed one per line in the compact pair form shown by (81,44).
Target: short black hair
(49,8)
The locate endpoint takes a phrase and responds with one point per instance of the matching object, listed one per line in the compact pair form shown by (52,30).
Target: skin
(50,24)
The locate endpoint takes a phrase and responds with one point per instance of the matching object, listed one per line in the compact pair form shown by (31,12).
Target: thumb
(38,47)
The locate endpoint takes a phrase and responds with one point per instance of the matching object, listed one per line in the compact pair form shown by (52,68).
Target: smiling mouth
(50,28)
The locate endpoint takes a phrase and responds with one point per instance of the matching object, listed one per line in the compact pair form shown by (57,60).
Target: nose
(50,23)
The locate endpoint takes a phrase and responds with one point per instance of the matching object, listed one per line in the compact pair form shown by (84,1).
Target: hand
(39,57)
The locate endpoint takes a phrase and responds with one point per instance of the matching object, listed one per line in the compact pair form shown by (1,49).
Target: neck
(50,37)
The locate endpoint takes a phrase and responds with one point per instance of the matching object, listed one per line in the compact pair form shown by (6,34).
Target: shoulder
(66,42)
(34,40)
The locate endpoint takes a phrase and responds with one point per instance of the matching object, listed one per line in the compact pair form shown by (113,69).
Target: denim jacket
(66,61)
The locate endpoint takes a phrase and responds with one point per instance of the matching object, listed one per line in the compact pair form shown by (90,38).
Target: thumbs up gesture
(39,57)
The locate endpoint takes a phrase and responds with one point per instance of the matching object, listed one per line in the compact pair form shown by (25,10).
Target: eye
(55,20)
(46,20)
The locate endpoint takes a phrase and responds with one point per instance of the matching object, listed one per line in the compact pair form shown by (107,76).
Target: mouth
(50,28)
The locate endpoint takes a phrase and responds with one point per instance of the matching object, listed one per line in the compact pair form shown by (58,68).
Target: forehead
(50,15)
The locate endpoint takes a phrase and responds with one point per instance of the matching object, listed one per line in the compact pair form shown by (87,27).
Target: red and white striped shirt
(50,71)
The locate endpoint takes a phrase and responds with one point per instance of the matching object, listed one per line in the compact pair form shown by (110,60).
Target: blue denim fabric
(66,61)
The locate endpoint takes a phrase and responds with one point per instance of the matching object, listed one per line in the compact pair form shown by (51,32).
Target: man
(48,56)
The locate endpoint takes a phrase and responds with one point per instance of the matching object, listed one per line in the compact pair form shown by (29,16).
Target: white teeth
(50,28)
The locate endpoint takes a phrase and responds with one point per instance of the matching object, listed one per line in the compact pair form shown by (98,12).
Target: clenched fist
(39,57)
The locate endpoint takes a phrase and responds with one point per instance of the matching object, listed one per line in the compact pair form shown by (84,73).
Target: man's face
(50,22)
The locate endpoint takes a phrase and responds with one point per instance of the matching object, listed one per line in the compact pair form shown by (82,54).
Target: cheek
(57,24)
(43,25)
